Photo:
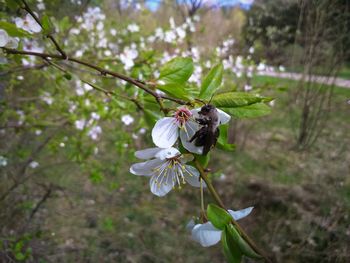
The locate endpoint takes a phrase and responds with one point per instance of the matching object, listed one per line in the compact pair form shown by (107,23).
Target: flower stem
(218,200)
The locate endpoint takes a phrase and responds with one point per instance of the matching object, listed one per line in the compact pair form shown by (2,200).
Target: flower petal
(237,215)
(161,185)
(32,24)
(191,175)
(4,38)
(224,117)
(165,132)
(187,133)
(145,168)
(206,234)
(167,153)
(12,43)
(147,153)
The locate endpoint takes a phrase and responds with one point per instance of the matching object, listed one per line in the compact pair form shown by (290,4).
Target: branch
(102,71)
(53,40)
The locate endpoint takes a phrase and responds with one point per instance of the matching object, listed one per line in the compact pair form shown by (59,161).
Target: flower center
(171,172)
(182,115)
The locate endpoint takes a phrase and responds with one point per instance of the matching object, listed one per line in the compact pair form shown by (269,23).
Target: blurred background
(66,194)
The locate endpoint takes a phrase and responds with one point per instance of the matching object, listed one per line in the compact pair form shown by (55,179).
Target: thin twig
(108,93)
(53,40)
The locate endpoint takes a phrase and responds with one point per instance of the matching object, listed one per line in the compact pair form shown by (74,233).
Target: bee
(208,134)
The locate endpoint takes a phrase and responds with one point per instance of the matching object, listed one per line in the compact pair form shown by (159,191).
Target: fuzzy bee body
(208,134)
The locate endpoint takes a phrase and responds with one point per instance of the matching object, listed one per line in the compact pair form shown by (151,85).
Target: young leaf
(238,240)
(150,117)
(236,99)
(222,140)
(177,70)
(47,25)
(231,249)
(211,82)
(175,90)
(13,31)
(12,4)
(218,216)
(249,111)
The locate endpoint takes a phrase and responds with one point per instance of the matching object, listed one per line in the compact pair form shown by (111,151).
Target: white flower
(128,56)
(94,132)
(208,235)
(247,87)
(166,169)
(133,28)
(28,23)
(3,38)
(166,130)
(80,124)
(169,36)
(113,32)
(7,41)
(127,119)
(3,161)
(46,97)
(95,116)
(282,68)
(34,164)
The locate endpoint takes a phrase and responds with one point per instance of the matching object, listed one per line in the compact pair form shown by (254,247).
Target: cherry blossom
(167,168)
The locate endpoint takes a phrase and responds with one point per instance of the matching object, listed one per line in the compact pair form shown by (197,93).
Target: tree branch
(102,71)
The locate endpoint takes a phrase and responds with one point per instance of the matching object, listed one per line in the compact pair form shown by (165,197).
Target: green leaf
(231,248)
(151,117)
(249,111)
(64,24)
(96,177)
(12,5)
(236,99)
(47,25)
(238,240)
(67,76)
(222,140)
(177,70)
(175,90)
(20,256)
(218,216)
(13,31)
(211,82)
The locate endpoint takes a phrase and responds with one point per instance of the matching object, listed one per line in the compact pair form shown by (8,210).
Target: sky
(245,4)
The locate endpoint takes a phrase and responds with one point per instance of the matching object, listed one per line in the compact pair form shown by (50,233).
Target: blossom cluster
(167,167)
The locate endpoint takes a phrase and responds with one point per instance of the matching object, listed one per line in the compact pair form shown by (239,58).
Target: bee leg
(195,136)
(202,121)
(217,134)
